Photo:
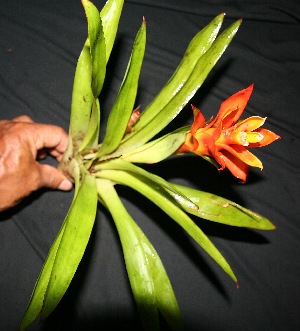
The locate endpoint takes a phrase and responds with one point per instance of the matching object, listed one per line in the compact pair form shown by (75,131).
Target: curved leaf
(92,135)
(123,106)
(157,150)
(119,164)
(97,46)
(82,98)
(158,195)
(110,16)
(217,209)
(196,48)
(201,70)
(89,74)
(37,298)
(78,227)
(149,281)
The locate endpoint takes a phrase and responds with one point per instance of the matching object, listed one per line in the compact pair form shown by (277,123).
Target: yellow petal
(268,138)
(242,154)
(246,138)
(251,123)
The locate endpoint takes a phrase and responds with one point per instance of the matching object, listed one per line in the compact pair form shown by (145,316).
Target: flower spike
(225,138)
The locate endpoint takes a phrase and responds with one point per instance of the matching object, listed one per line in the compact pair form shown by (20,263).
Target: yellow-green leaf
(196,48)
(221,210)
(149,281)
(157,150)
(119,164)
(37,298)
(158,195)
(82,98)
(193,82)
(97,46)
(78,227)
(92,135)
(123,106)
(110,16)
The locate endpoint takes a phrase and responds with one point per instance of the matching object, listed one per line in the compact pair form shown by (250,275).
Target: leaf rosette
(131,139)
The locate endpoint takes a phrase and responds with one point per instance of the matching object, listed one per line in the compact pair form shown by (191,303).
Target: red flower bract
(226,139)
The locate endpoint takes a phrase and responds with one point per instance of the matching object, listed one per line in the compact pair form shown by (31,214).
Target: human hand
(22,144)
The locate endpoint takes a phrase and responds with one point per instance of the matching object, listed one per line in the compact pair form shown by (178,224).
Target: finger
(55,153)
(51,137)
(23,118)
(52,178)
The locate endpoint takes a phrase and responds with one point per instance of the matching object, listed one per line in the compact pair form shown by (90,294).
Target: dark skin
(22,143)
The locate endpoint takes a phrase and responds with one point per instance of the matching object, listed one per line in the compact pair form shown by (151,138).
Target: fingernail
(65,185)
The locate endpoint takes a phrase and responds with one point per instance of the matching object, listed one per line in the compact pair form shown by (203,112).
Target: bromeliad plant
(129,140)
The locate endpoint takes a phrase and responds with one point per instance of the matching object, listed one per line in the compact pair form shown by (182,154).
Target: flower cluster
(226,139)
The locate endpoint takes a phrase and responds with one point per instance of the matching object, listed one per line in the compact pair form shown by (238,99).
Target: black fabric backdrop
(40,42)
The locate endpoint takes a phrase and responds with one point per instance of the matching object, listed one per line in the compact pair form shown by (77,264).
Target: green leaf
(123,106)
(92,136)
(217,209)
(201,70)
(119,164)
(37,298)
(110,16)
(82,98)
(149,281)
(157,150)
(196,48)
(97,45)
(91,73)
(158,195)
(78,227)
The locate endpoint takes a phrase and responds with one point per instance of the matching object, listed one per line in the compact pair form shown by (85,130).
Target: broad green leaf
(158,195)
(78,227)
(92,136)
(82,95)
(149,281)
(119,164)
(82,98)
(124,104)
(37,298)
(217,209)
(157,150)
(196,48)
(110,16)
(201,70)
(97,45)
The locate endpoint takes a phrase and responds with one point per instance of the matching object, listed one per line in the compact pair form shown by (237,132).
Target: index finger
(52,137)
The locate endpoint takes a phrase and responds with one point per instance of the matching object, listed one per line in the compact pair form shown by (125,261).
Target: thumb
(51,177)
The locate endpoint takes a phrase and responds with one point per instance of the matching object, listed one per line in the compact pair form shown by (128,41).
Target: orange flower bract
(226,139)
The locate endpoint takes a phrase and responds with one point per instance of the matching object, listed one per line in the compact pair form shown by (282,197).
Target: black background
(40,42)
